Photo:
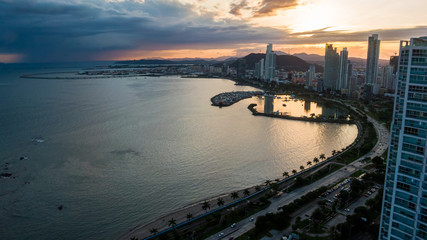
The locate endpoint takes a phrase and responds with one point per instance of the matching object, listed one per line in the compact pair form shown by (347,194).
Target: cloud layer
(76,30)
(83,30)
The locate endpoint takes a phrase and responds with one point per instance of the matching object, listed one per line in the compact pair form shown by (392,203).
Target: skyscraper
(372,60)
(270,64)
(309,76)
(342,82)
(330,74)
(404,211)
(387,77)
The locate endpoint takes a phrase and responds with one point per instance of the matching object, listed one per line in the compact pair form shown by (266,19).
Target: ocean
(118,152)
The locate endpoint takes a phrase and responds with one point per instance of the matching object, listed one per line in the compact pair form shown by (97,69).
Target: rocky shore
(229,98)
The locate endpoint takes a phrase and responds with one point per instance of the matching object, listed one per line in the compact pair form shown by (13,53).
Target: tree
(189,216)
(334,152)
(322,156)
(317,216)
(309,163)
(153,231)
(267,182)
(206,205)
(344,196)
(172,223)
(316,160)
(220,202)
(312,115)
(234,195)
(257,188)
(285,174)
(294,172)
(246,192)
(301,167)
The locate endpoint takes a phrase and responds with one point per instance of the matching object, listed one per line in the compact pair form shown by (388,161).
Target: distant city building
(259,69)
(270,64)
(394,60)
(404,211)
(241,68)
(342,82)
(387,77)
(309,76)
(372,61)
(330,75)
(319,85)
(268,104)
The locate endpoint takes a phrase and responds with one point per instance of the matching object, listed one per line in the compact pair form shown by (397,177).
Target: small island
(229,98)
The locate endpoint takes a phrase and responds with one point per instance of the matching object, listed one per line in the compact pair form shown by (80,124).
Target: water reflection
(292,106)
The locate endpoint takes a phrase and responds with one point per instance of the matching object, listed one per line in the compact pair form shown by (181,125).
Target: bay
(119,152)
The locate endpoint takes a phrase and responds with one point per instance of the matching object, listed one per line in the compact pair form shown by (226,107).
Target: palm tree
(309,163)
(220,202)
(285,174)
(234,195)
(257,188)
(246,192)
(294,172)
(189,216)
(316,160)
(301,167)
(172,223)
(334,152)
(322,156)
(267,182)
(153,231)
(206,206)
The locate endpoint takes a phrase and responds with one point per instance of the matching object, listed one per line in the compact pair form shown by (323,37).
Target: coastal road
(245,225)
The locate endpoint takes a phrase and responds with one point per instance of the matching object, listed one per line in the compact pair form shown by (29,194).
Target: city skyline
(50,31)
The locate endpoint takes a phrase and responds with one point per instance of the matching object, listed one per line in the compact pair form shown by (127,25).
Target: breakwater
(229,98)
(251,107)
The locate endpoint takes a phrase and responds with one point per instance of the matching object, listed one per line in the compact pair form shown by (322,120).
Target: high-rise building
(241,68)
(330,74)
(404,211)
(268,104)
(270,64)
(387,77)
(309,76)
(342,82)
(372,60)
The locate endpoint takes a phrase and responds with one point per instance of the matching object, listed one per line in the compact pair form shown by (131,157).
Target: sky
(85,30)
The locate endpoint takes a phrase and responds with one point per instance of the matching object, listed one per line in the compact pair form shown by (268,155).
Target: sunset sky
(81,30)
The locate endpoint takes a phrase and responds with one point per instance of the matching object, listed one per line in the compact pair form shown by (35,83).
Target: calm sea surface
(119,152)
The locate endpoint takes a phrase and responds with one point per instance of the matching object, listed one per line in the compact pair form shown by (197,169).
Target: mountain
(164,61)
(286,62)
(318,59)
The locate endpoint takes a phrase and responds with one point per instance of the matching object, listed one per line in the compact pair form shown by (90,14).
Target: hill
(319,59)
(164,62)
(285,62)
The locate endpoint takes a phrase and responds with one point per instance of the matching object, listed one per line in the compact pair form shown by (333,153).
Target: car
(347,210)
(221,235)
(231,238)
(251,220)
(233,225)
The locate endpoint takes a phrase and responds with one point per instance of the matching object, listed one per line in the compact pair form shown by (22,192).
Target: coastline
(142,231)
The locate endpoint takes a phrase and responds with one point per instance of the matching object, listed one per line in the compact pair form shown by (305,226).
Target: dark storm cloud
(326,35)
(237,7)
(84,30)
(267,7)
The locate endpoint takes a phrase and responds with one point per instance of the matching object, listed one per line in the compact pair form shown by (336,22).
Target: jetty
(229,98)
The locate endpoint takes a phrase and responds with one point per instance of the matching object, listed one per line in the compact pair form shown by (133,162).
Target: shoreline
(161,223)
